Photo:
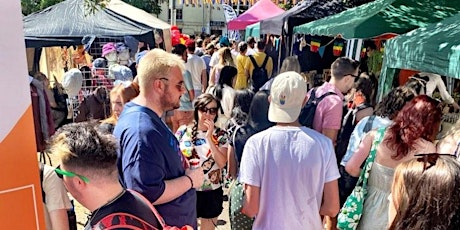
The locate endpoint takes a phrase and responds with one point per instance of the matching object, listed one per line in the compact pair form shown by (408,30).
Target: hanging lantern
(315,44)
(337,48)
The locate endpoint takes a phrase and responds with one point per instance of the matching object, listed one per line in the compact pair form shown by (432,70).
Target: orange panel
(19,168)
(21,206)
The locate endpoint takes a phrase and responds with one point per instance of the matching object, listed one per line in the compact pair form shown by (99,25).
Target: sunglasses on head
(212,111)
(429,159)
(61,173)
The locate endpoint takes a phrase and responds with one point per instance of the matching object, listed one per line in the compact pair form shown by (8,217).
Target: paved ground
(82,213)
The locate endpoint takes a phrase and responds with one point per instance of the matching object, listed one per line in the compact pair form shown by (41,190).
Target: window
(178,14)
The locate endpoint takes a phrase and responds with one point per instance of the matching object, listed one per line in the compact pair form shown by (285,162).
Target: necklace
(93,214)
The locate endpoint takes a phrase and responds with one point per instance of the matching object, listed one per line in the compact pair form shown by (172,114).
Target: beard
(167,101)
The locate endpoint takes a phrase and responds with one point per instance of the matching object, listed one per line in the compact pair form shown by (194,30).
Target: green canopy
(434,48)
(380,17)
(253,30)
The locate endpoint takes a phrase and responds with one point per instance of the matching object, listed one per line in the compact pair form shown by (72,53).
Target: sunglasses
(180,86)
(61,173)
(212,111)
(429,159)
(356,77)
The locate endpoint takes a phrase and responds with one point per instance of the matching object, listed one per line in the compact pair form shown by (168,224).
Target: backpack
(123,216)
(70,213)
(307,114)
(348,125)
(259,75)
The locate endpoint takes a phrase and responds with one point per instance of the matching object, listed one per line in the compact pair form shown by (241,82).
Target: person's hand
(196,175)
(456,107)
(210,125)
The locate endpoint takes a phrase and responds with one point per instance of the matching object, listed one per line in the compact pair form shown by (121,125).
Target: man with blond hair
(149,158)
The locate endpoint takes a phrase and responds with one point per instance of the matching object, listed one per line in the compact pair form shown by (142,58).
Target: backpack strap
(323,96)
(253,61)
(363,106)
(265,61)
(368,125)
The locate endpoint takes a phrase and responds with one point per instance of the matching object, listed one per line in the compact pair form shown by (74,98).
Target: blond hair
(225,57)
(156,63)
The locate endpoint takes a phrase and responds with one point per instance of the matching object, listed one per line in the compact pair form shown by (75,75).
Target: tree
(31,6)
(151,6)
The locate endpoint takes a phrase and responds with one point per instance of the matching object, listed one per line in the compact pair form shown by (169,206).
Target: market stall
(253,30)
(304,11)
(380,17)
(66,23)
(261,10)
(143,17)
(434,48)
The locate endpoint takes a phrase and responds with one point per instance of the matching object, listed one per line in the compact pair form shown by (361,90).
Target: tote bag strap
(371,158)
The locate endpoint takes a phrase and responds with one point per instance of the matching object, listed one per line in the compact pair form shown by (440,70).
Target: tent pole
(279,53)
(238,8)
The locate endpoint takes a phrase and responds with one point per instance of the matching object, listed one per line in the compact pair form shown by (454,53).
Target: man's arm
(330,206)
(332,134)
(251,201)
(59,219)
(269,67)
(176,187)
(204,80)
(231,162)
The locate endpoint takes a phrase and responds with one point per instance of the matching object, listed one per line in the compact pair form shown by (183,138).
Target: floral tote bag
(351,212)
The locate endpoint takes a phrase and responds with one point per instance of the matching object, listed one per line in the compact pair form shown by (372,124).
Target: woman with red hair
(413,131)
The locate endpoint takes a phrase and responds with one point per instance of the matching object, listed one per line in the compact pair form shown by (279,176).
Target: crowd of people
(215,110)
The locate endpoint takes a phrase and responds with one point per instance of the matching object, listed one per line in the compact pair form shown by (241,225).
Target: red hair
(417,119)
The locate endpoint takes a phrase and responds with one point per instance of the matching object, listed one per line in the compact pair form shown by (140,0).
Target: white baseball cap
(287,95)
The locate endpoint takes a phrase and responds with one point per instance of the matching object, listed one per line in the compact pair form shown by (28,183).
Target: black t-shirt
(125,209)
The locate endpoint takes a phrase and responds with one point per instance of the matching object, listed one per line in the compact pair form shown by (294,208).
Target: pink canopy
(263,9)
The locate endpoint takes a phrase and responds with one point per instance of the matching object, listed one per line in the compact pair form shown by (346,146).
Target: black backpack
(348,125)
(307,114)
(70,213)
(259,75)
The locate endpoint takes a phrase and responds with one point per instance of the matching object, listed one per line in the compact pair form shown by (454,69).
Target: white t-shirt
(214,59)
(291,166)
(195,65)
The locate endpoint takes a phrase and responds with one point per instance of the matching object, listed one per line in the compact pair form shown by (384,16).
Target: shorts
(209,203)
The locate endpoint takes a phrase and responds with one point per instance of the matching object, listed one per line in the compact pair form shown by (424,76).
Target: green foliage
(151,6)
(31,6)
(289,4)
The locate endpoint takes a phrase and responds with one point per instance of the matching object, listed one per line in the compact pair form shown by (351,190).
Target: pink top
(329,111)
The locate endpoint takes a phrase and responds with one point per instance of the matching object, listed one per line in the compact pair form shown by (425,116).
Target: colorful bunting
(337,48)
(315,44)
